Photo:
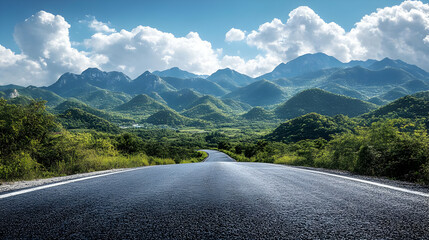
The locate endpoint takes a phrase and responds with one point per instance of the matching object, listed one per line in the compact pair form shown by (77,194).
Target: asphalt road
(216,199)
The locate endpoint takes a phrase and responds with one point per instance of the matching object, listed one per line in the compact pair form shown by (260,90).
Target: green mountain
(258,114)
(37,94)
(341,90)
(104,99)
(411,106)
(75,118)
(322,102)
(310,126)
(147,83)
(20,100)
(207,111)
(74,103)
(236,106)
(260,93)
(230,79)
(179,100)
(303,64)
(358,76)
(389,63)
(171,118)
(200,85)
(394,93)
(141,103)
(176,73)
(217,103)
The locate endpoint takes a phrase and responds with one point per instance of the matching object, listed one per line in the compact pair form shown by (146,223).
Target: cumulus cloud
(97,26)
(46,52)
(398,32)
(146,48)
(234,35)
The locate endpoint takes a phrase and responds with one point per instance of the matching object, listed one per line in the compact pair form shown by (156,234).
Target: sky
(40,40)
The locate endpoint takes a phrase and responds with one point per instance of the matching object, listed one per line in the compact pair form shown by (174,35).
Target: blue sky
(211,19)
(267,36)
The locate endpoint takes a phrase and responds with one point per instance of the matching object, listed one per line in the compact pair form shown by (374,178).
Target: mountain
(75,118)
(358,76)
(179,100)
(113,81)
(389,63)
(36,94)
(230,79)
(410,106)
(322,102)
(341,90)
(260,93)
(176,73)
(70,85)
(207,111)
(104,99)
(217,103)
(147,83)
(258,114)
(310,126)
(141,103)
(200,85)
(171,118)
(236,106)
(310,63)
(74,103)
(394,93)
(303,64)
(10,86)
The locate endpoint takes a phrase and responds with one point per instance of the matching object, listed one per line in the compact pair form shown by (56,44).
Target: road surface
(215,199)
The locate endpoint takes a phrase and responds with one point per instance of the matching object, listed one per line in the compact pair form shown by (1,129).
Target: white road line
(368,182)
(19,192)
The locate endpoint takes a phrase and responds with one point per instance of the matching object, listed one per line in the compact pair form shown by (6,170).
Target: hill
(176,73)
(104,99)
(322,102)
(74,103)
(141,103)
(200,85)
(207,111)
(147,83)
(171,118)
(411,106)
(230,79)
(389,63)
(258,114)
(310,126)
(260,93)
(219,104)
(75,118)
(303,64)
(37,94)
(179,100)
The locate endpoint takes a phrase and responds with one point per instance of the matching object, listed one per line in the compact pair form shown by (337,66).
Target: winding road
(216,199)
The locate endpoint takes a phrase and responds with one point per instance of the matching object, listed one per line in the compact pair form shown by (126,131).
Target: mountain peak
(91,71)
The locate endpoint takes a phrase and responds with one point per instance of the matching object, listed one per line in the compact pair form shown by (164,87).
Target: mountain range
(310,83)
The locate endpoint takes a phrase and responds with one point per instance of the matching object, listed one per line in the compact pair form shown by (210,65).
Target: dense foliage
(322,102)
(34,144)
(311,126)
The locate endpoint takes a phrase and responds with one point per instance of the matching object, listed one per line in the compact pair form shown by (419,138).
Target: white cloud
(46,51)
(398,32)
(234,35)
(97,26)
(145,48)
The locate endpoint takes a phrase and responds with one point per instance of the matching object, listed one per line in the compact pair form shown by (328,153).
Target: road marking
(368,182)
(19,192)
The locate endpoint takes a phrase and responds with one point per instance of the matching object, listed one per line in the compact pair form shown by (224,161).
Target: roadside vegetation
(34,144)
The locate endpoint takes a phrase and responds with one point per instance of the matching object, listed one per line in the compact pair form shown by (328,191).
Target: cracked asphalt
(215,199)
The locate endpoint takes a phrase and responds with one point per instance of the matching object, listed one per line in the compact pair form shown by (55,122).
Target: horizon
(50,42)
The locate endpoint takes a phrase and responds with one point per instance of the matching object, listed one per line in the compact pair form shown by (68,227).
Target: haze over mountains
(310,83)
